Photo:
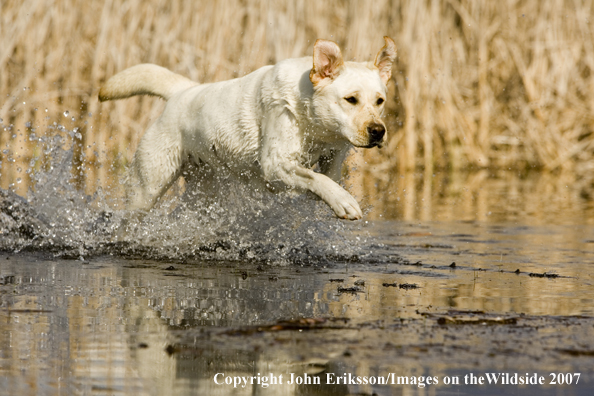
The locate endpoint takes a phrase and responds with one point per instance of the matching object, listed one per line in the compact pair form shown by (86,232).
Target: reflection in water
(120,327)
(485,195)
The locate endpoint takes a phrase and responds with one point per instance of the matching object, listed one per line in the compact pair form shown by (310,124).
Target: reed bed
(506,84)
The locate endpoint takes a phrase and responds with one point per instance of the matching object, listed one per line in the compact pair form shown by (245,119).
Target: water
(449,281)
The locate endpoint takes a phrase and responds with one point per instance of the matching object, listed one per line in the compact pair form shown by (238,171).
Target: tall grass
(506,83)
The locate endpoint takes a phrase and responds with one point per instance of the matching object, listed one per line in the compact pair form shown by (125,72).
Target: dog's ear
(385,59)
(327,60)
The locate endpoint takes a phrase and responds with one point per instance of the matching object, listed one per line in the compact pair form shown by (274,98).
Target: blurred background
(489,111)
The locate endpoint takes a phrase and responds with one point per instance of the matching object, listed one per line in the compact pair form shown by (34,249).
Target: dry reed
(477,83)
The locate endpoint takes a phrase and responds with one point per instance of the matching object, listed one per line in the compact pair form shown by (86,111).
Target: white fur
(271,126)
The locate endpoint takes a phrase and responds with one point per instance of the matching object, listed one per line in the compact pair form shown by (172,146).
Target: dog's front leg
(281,152)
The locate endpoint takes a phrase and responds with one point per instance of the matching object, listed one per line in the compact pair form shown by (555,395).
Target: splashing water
(238,223)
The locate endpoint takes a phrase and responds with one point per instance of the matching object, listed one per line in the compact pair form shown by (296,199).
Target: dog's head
(349,97)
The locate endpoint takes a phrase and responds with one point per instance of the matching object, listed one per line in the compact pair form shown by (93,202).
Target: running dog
(272,126)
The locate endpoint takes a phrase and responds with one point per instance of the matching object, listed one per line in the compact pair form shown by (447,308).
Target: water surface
(449,277)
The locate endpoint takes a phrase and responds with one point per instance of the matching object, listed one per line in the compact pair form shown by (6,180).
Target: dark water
(94,301)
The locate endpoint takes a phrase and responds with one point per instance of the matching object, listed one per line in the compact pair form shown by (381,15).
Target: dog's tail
(144,79)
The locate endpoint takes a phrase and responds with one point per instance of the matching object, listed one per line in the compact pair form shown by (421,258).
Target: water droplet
(66,113)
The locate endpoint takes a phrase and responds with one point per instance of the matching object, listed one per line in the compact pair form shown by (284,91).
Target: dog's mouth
(371,144)
(374,144)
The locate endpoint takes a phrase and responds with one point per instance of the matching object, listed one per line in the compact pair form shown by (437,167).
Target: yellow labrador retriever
(271,126)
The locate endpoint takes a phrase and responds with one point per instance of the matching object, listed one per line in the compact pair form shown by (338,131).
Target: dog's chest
(311,156)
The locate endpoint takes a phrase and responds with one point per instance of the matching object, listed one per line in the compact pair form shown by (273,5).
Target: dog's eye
(380,101)
(351,100)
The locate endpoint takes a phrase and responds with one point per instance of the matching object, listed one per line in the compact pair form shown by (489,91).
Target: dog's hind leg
(199,184)
(156,165)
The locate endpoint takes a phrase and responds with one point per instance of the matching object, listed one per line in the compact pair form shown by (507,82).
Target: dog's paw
(346,207)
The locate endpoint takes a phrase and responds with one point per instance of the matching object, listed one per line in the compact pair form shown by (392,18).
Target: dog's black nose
(376,133)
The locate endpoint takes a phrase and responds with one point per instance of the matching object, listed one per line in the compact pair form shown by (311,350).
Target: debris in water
(457,317)
(291,324)
(408,286)
(576,352)
(543,275)
(170,349)
(445,320)
(352,289)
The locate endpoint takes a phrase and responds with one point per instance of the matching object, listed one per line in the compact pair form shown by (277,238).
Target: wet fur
(270,127)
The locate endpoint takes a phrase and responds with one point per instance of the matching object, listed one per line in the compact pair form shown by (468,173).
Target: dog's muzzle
(376,134)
